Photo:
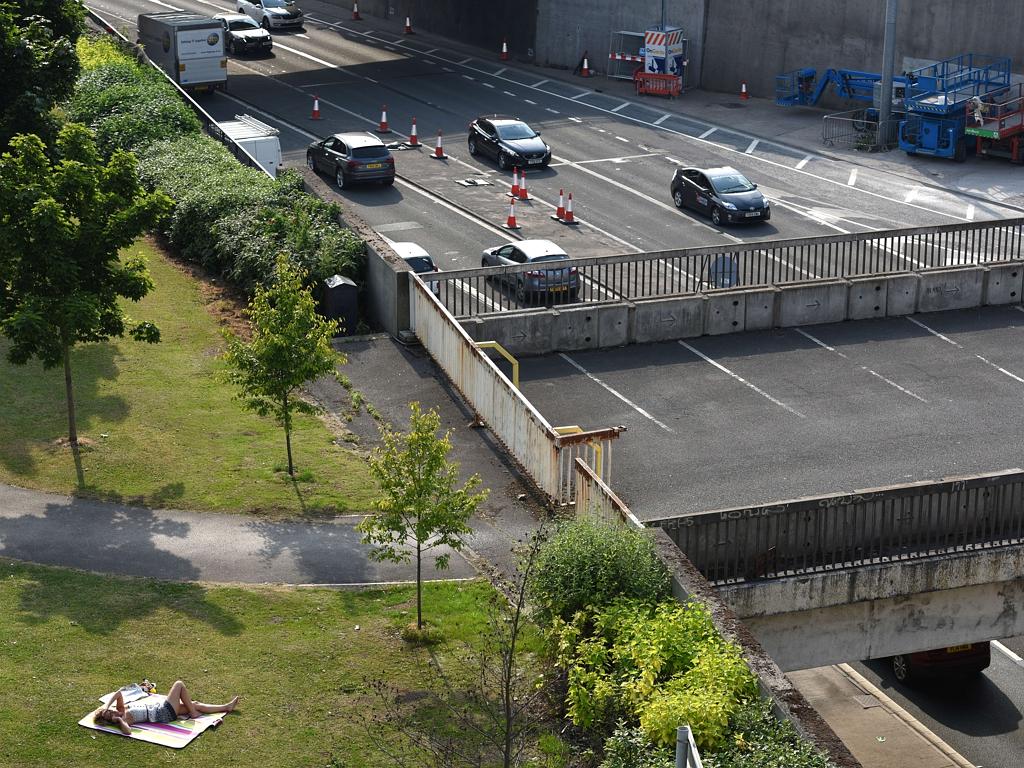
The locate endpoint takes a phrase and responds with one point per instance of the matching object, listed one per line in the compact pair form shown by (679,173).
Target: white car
(273,14)
(419,261)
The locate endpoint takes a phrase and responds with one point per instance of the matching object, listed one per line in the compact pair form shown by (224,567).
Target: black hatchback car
(510,141)
(724,194)
(351,158)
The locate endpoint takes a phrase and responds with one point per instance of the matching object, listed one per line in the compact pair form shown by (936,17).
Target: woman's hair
(105,714)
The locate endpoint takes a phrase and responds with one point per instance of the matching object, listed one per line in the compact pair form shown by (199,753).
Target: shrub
(630,748)
(760,740)
(589,563)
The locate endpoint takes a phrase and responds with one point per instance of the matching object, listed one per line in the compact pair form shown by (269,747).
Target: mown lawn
(162,427)
(300,659)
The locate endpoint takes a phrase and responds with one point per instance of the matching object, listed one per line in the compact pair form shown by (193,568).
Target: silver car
(273,14)
(553,278)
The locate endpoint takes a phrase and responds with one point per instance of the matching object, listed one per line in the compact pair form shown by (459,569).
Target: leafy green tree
(62,224)
(39,63)
(419,502)
(291,344)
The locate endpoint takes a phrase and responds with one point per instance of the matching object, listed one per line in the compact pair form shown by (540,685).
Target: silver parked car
(554,276)
(273,14)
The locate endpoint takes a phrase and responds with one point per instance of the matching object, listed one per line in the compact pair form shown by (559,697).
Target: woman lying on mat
(177,704)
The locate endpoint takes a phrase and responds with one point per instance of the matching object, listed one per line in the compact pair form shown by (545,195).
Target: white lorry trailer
(257,138)
(189,47)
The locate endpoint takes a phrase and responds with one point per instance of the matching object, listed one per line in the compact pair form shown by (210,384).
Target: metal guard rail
(825,533)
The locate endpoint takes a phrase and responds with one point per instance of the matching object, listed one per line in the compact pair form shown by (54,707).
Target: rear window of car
(550,257)
(420,263)
(369,152)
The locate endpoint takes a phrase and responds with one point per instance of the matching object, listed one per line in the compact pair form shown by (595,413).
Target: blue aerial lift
(937,100)
(803,87)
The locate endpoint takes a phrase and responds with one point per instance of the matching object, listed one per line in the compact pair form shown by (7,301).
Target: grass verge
(162,428)
(299,659)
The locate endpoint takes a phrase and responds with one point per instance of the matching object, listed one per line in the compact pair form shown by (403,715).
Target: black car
(508,140)
(243,35)
(352,157)
(724,194)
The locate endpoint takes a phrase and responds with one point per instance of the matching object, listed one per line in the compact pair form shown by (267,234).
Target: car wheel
(388,182)
(901,669)
(340,177)
(521,295)
(716,216)
(503,161)
(265,23)
(234,48)
(472,145)
(677,198)
(310,162)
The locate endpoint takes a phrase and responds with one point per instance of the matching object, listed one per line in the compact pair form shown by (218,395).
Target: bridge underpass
(906,568)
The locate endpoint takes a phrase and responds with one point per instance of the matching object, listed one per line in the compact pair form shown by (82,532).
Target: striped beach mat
(176,734)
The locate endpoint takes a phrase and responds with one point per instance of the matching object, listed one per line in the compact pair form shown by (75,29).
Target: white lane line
(890,382)
(1008,653)
(486,85)
(804,162)
(500,71)
(165,5)
(539,82)
(552,111)
(576,119)
(579,95)
(970,212)
(427,53)
(508,93)
(948,340)
(662,119)
(534,103)
(304,37)
(623,105)
(674,161)
(615,392)
(708,132)
(621,159)
(622,138)
(852,181)
(911,195)
(390,48)
(753,145)
(447,69)
(465,61)
(469,77)
(740,379)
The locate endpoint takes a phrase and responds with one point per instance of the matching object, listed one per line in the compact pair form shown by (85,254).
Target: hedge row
(232,219)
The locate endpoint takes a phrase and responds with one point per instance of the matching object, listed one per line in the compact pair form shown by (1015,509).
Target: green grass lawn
(299,659)
(163,427)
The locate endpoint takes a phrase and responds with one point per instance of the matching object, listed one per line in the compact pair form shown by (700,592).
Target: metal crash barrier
(657,85)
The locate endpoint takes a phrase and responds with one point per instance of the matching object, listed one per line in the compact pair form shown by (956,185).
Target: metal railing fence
(855,129)
(903,522)
(488,290)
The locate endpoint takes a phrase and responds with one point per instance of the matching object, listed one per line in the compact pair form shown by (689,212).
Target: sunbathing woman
(177,704)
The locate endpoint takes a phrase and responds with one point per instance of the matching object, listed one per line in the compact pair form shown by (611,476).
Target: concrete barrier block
(575,328)
(759,312)
(867,297)
(613,325)
(950,288)
(528,333)
(725,312)
(812,302)
(1003,283)
(681,317)
(901,295)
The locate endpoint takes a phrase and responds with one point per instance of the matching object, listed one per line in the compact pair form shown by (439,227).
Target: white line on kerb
(662,119)
(753,145)
(615,392)
(948,340)
(852,181)
(1008,653)
(890,382)
(740,379)
(804,162)
(708,132)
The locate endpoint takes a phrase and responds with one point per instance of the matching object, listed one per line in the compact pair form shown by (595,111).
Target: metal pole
(663,27)
(888,54)
(682,746)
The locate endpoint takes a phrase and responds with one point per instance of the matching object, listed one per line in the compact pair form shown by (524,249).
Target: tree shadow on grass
(161,498)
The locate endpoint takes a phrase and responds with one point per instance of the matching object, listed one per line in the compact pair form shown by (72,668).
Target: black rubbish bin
(339,301)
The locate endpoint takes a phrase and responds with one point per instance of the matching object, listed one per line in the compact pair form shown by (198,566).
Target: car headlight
(766,202)
(730,206)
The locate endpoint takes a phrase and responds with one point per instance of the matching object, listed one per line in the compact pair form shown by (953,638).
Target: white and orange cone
(515,183)
(560,210)
(355,11)
(413,139)
(383,127)
(585,70)
(439,150)
(316,109)
(743,90)
(523,194)
(510,223)
(408,26)
(504,49)
(568,218)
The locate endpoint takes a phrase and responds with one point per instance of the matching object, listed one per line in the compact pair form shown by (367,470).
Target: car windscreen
(420,264)
(514,131)
(275,4)
(725,185)
(240,25)
(367,153)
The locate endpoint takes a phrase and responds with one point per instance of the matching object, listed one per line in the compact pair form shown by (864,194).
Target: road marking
(752,147)
(508,93)
(539,82)
(708,132)
(621,159)
(890,382)
(469,77)
(552,111)
(534,103)
(623,105)
(390,48)
(398,226)
(427,53)
(673,160)
(615,392)
(621,138)
(662,119)
(486,85)
(500,71)
(465,61)
(970,212)
(852,181)
(304,37)
(804,162)
(740,379)
(1008,653)
(576,119)
(493,228)
(911,195)
(165,5)
(579,95)
(948,340)
(447,69)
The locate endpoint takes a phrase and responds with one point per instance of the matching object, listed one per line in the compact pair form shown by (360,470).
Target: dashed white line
(970,212)
(662,119)
(852,181)
(465,61)
(623,105)
(486,84)
(804,162)
(579,95)
(622,138)
(753,145)
(539,83)
(911,195)
(469,77)
(552,111)
(528,101)
(948,340)
(427,53)
(508,93)
(890,382)
(447,69)
(615,392)
(500,71)
(740,379)
(708,132)
(674,161)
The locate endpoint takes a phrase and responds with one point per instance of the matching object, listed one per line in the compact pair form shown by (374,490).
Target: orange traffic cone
(413,139)
(523,194)
(511,222)
(408,26)
(383,127)
(560,210)
(438,151)
(504,49)
(316,108)
(585,69)
(355,11)
(515,183)
(743,90)
(568,218)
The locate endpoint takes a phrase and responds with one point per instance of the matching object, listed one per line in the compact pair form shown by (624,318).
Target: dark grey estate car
(351,158)
(508,140)
(724,194)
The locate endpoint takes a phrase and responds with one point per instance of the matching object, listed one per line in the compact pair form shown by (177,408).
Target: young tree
(291,344)
(419,500)
(62,224)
